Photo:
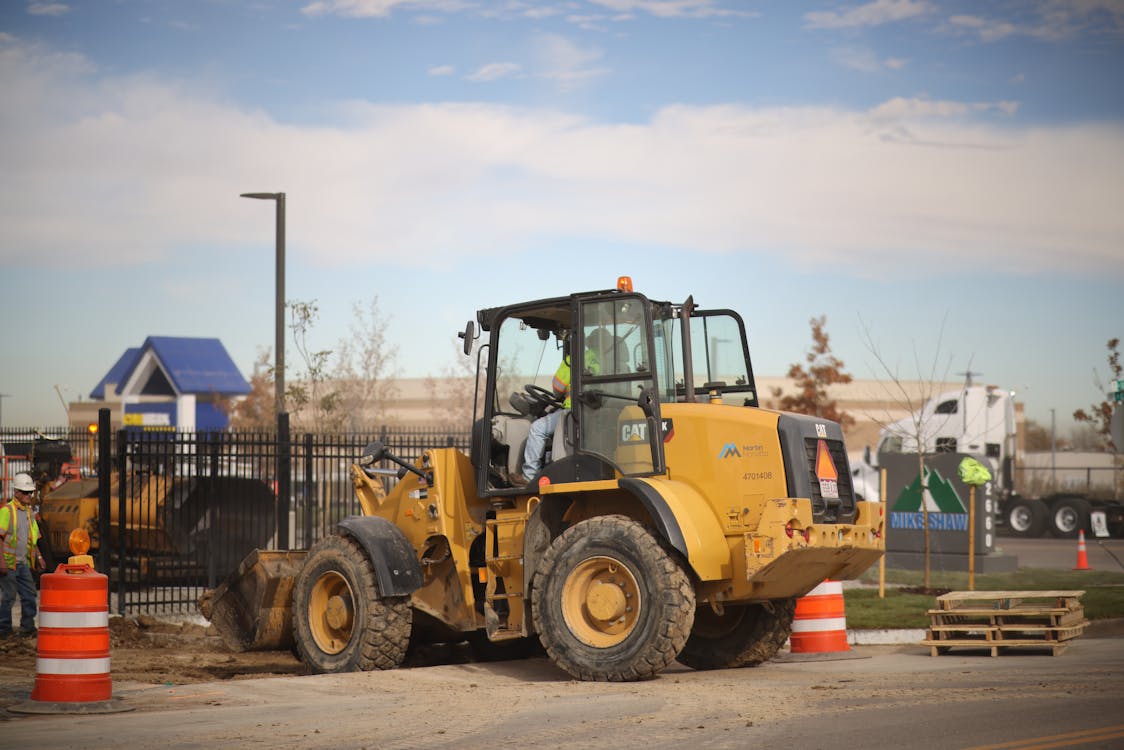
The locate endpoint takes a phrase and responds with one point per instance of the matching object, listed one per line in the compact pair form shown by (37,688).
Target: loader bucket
(253,609)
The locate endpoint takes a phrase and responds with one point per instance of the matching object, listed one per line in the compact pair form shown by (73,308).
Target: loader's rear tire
(743,635)
(610,603)
(340,622)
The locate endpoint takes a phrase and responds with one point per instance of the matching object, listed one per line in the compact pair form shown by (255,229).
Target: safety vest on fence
(8,524)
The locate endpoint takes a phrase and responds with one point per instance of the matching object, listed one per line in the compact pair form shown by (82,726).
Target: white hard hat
(23,482)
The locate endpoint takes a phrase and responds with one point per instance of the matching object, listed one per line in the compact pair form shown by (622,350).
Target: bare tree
(311,395)
(453,393)
(365,366)
(912,401)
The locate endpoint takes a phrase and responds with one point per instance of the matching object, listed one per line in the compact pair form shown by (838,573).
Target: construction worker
(19,536)
(542,429)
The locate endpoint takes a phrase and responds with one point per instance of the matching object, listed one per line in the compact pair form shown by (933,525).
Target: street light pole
(283,461)
(279,307)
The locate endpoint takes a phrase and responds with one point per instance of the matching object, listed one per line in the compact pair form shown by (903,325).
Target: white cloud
(875,13)
(865,59)
(1047,20)
(48,9)
(379,8)
(566,63)
(669,8)
(101,171)
(441,70)
(987,30)
(493,72)
(901,108)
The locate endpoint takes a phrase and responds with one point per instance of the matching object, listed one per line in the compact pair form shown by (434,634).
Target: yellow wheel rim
(331,612)
(601,602)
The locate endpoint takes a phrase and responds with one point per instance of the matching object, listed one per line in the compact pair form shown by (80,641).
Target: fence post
(215,510)
(306,517)
(284,466)
(122,527)
(105,470)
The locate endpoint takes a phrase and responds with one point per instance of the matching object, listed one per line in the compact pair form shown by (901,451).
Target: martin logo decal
(729,450)
(946,509)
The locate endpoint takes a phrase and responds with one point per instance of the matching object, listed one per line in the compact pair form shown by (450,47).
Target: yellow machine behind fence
(673,516)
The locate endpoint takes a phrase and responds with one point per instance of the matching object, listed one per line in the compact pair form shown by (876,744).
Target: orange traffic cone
(820,623)
(1082,557)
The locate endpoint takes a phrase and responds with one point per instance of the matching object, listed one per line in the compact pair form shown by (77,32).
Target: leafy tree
(1100,415)
(1036,436)
(822,369)
(257,410)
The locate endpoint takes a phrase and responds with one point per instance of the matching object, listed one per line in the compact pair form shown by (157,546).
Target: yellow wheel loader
(672,517)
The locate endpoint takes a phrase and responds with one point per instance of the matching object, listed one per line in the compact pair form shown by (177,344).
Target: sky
(943,180)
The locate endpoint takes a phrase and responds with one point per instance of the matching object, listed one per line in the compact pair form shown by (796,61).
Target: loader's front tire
(744,635)
(340,621)
(610,603)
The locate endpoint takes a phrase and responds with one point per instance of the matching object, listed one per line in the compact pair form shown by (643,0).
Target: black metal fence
(194,504)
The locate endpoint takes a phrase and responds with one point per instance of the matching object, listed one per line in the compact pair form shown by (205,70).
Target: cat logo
(728,450)
(634,432)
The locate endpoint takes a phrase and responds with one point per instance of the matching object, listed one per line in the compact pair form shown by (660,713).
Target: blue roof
(198,365)
(117,374)
(193,365)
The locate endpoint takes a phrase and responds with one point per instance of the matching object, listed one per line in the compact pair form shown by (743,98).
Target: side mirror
(468,335)
(372,454)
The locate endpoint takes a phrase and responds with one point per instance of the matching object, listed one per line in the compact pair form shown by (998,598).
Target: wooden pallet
(996,620)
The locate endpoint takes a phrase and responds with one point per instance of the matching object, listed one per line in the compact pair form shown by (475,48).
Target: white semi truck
(980,420)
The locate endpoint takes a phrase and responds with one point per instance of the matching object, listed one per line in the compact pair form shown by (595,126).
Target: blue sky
(892,164)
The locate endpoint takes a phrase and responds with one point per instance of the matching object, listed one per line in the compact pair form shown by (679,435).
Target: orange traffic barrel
(72,665)
(820,623)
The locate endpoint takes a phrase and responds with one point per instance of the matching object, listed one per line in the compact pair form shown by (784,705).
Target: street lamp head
(263,196)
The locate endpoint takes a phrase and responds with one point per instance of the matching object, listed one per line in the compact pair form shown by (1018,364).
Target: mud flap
(396,563)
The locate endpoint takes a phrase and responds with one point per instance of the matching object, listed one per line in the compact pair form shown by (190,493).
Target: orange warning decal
(826,471)
(825,467)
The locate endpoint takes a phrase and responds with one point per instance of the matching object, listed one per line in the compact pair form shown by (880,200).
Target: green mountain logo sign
(940,496)
(946,509)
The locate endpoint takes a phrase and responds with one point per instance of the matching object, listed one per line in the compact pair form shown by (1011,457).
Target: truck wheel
(340,622)
(609,603)
(743,635)
(1027,517)
(1069,515)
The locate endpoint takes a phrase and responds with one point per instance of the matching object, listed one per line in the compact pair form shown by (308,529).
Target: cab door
(616,401)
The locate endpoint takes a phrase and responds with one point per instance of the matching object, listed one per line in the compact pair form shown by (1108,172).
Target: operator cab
(626,355)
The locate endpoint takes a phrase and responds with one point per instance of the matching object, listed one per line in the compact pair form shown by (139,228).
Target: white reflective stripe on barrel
(48,619)
(826,588)
(72,666)
(814,626)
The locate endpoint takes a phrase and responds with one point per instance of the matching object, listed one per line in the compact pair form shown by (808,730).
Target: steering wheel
(541,397)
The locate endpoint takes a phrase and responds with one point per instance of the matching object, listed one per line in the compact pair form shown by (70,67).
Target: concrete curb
(884,637)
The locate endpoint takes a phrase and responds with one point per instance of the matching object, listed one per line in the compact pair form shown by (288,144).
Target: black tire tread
(676,608)
(385,633)
(758,637)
